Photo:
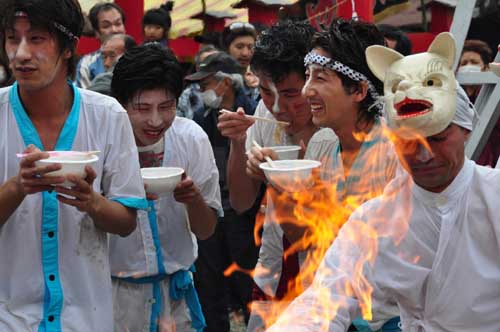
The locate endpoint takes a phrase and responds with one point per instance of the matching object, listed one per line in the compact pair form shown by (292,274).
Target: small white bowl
(290,175)
(286,152)
(161,180)
(72,162)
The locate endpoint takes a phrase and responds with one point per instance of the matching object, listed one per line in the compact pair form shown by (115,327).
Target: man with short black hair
(53,238)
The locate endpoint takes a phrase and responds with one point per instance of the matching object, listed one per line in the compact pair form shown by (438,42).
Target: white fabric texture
(444,273)
(133,305)
(83,76)
(186,146)
(82,248)
(465,113)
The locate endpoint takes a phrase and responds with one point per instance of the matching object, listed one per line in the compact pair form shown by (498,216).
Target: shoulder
(187,130)
(87,59)
(485,173)
(98,101)
(4,95)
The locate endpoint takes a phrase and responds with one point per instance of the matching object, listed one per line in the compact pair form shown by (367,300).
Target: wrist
(15,187)
(239,142)
(95,205)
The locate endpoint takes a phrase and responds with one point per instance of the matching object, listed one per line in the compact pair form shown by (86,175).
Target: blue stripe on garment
(182,286)
(132,202)
(53,295)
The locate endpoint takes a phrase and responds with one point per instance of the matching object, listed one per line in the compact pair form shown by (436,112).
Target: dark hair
(479,47)
(63,19)
(280,50)
(229,34)
(103,7)
(159,16)
(204,49)
(346,42)
(146,67)
(403,43)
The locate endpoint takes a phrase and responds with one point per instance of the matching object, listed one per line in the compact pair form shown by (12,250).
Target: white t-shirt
(47,247)
(163,241)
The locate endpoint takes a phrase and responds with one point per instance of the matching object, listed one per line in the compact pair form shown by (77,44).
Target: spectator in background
(156,24)
(191,100)
(238,40)
(221,83)
(396,39)
(476,55)
(106,18)
(111,51)
(5,73)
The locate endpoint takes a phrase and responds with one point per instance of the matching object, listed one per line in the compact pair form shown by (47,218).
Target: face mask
(210,98)
(469,69)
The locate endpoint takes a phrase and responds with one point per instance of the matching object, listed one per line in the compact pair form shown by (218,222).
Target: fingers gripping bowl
(161,180)
(72,162)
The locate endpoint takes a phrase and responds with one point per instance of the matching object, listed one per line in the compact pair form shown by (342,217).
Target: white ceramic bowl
(290,175)
(161,180)
(72,162)
(286,152)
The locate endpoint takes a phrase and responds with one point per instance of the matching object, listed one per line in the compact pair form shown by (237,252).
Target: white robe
(35,244)
(444,273)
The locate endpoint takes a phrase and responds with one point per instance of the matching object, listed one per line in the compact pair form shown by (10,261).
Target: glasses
(241,25)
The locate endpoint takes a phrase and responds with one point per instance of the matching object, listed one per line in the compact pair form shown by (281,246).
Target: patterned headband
(58,26)
(314,58)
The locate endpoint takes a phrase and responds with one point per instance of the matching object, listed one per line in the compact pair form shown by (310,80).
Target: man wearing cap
(436,227)
(221,83)
(54,273)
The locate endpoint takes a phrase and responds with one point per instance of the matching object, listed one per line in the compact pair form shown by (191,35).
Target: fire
(314,218)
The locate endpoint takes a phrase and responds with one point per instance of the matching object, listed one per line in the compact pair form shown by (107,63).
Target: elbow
(238,204)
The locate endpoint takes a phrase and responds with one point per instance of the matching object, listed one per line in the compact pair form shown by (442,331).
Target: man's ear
(361,92)
(67,54)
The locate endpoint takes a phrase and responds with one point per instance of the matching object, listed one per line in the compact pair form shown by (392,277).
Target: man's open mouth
(410,108)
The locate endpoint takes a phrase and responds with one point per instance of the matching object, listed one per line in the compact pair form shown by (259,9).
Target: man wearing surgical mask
(221,83)
(476,55)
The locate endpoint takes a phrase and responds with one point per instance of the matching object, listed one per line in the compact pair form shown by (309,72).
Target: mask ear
(444,46)
(379,58)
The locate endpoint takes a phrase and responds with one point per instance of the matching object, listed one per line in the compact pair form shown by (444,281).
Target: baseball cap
(217,62)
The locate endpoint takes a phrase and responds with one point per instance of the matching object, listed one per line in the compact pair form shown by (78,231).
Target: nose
(307,89)
(424,154)
(23,52)
(116,28)
(156,119)
(246,52)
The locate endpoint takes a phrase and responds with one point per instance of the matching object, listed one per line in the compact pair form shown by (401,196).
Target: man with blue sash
(152,269)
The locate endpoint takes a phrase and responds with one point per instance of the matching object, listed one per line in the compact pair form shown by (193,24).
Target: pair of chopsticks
(269,160)
(259,118)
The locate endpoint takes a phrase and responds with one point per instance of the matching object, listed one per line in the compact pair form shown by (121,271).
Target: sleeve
(203,169)
(269,265)
(83,73)
(331,303)
(122,180)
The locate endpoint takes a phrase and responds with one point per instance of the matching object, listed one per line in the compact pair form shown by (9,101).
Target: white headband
(314,58)
(465,113)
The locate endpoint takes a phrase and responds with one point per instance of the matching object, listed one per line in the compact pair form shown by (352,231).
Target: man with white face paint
(53,239)
(436,223)
(152,281)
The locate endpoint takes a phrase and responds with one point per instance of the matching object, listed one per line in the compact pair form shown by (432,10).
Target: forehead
(470,55)
(113,44)
(24,24)
(108,15)
(151,96)
(243,40)
(290,81)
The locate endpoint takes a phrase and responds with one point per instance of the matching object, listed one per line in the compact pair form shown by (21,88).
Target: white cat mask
(420,90)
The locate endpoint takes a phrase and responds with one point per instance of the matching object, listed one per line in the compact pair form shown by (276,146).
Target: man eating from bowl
(151,269)
(436,223)
(53,248)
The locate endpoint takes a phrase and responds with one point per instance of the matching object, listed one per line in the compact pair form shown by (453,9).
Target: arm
(109,216)
(243,190)
(202,218)
(10,198)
